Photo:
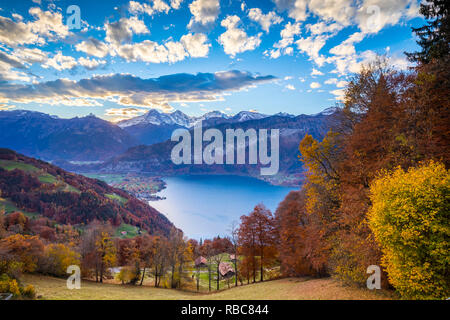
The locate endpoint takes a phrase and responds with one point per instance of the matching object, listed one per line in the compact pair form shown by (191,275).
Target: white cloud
(175,4)
(31,55)
(287,38)
(12,69)
(195,44)
(204,14)
(315,85)
(161,6)
(312,46)
(374,15)
(136,8)
(47,25)
(129,90)
(153,7)
(93,47)
(60,62)
(118,114)
(331,81)
(342,84)
(347,47)
(91,64)
(340,11)
(316,72)
(123,30)
(234,40)
(296,8)
(339,93)
(290,87)
(322,27)
(265,20)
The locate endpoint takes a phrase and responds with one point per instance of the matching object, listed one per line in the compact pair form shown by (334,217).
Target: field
(9,207)
(131,231)
(284,289)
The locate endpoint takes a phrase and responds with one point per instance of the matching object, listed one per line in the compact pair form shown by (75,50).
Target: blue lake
(204,206)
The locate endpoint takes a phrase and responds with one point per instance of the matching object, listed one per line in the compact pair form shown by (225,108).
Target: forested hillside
(38,187)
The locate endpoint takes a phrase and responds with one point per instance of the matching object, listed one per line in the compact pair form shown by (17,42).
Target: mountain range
(155,159)
(51,138)
(142,144)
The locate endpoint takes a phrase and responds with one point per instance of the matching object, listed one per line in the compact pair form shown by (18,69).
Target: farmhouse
(201,262)
(226,271)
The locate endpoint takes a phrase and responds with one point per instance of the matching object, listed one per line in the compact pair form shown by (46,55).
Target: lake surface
(204,206)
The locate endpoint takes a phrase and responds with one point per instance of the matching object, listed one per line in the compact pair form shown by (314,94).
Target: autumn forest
(376,191)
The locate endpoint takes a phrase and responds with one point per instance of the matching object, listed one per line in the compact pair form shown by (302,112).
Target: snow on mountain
(328,111)
(284,114)
(179,118)
(175,118)
(248,115)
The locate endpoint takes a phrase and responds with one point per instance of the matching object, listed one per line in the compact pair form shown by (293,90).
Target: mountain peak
(248,115)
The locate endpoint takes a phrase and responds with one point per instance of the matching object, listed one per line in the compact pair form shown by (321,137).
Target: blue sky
(272,56)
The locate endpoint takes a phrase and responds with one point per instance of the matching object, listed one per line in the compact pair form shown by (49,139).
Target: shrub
(28,292)
(57,258)
(126,275)
(10,285)
(410,217)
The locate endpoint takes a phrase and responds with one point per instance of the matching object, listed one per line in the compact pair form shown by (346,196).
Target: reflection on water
(204,206)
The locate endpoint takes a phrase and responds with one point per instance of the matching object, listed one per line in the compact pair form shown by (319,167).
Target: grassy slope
(9,207)
(289,289)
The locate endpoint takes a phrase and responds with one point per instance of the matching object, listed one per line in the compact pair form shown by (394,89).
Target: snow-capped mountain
(157,118)
(284,114)
(248,115)
(175,118)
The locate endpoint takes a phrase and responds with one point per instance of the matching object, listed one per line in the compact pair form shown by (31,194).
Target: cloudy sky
(272,56)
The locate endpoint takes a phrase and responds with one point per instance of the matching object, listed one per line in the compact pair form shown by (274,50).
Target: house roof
(225,269)
(201,261)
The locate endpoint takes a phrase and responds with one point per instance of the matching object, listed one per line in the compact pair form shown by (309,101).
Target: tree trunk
(254,269)
(101,272)
(209,277)
(262,270)
(173,275)
(218,277)
(235,270)
(198,279)
(180,272)
(143,275)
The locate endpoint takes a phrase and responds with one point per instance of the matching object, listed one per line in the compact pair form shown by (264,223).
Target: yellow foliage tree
(107,253)
(59,257)
(410,217)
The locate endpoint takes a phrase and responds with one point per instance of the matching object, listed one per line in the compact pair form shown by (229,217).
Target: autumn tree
(20,253)
(257,238)
(2,223)
(160,258)
(303,249)
(57,257)
(220,246)
(234,239)
(147,253)
(207,251)
(176,250)
(98,250)
(107,253)
(410,218)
